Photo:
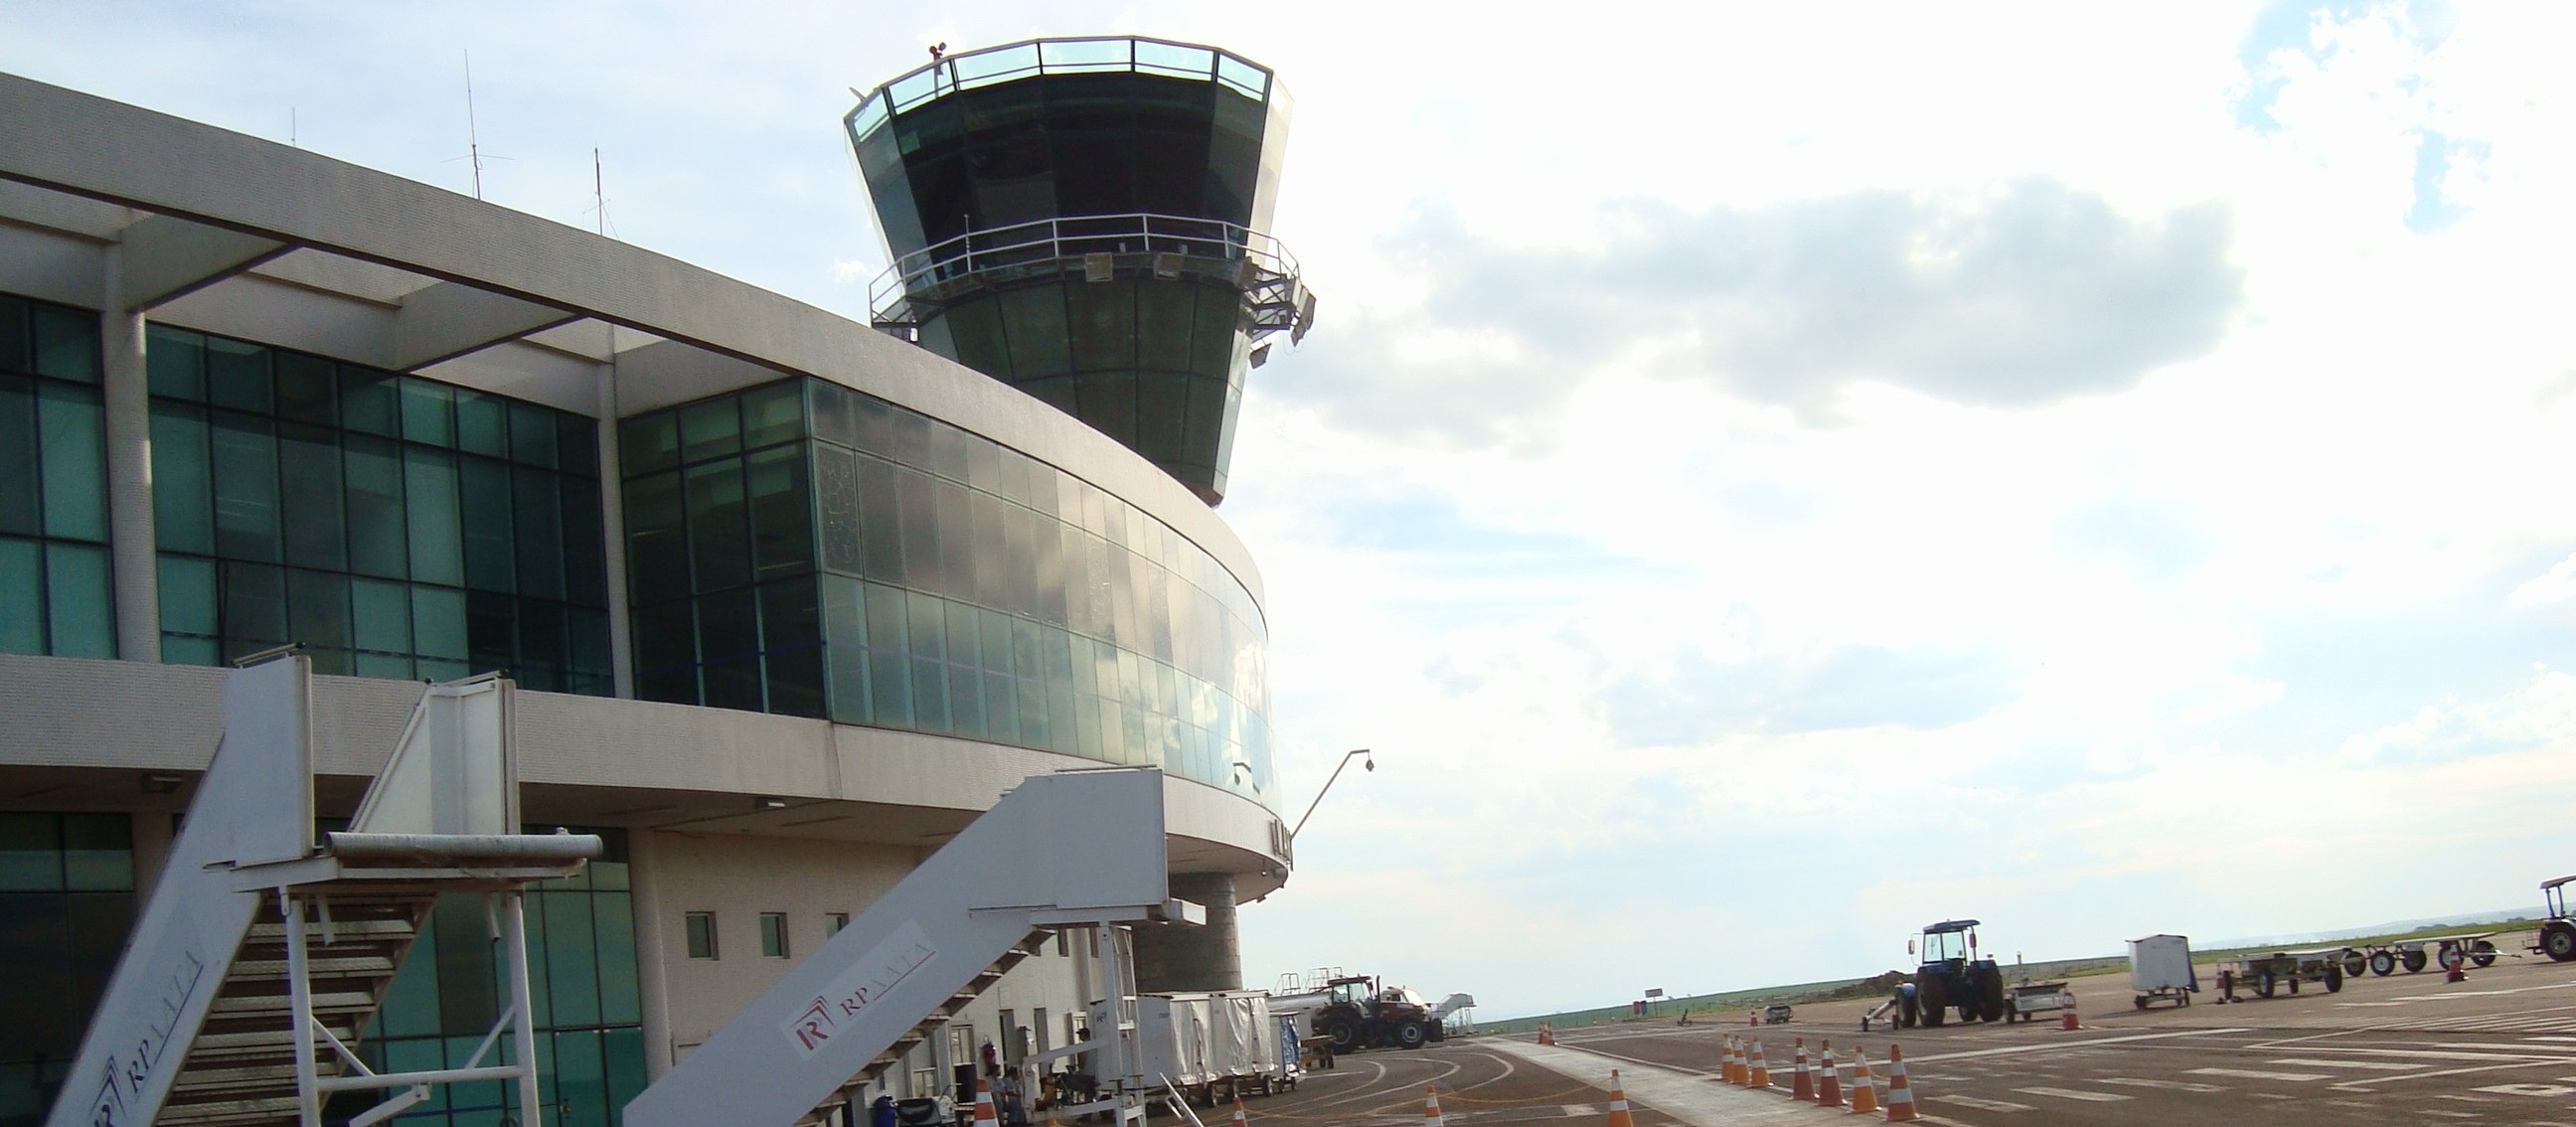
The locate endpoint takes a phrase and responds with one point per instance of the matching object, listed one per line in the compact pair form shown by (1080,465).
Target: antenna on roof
(598,192)
(473,140)
(293,135)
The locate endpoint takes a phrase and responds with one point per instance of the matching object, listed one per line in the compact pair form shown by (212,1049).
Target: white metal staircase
(1077,849)
(263,951)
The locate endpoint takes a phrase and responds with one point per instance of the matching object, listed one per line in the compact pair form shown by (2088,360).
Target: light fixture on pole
(1369,764)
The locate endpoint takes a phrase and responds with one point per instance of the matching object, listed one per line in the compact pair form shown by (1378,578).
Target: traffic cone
(2459,971)
(2066,1012)
(1760,1076)
(1864,1093)
(1725,1060)
(1734,1062)
(985,1116)
(1802,1085)
(1430,1107)
(1900,1095)
(1829,1084)
(1619,1116)
(1239,1119)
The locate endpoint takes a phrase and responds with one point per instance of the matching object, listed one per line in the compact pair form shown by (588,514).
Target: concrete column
(132,551)
(612,521)
(652,952)
(1178,957)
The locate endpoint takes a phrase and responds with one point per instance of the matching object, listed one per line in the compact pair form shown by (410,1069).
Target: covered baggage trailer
(2160,970)
(1243,1045)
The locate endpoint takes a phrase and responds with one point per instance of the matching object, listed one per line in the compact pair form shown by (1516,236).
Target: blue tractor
(1951,977)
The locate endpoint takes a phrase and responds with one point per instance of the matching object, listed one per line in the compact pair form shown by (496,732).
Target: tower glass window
(396,526)
(55,593)
(851,559)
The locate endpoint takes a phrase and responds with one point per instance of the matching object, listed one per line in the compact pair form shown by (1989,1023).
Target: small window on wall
(833,922)
(702,935)
(773,935)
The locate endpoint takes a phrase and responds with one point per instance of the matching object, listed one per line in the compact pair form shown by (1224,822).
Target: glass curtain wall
(55,593)
(398,527)
(66,902)
(582,982)
(801,548)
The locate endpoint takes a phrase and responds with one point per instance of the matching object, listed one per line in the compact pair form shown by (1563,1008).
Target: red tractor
(1356,1013)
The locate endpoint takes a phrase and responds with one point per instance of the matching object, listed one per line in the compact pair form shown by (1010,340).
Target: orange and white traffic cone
(1430,1107)
(2457,958)
(1239,1119)
(1802,1084)
(1546,1036)
(1864,1092)
(985,1116)
(1829,1083)
(1900,1094)
(1760,1074)
(2066,1012)
(1619,1116)
(1725,1060)
(1735,1062)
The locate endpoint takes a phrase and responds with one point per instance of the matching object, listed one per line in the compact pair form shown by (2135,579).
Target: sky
(1764,477)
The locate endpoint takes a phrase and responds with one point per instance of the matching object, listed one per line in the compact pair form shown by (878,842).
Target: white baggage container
(1243,1042)
(2160,970)
(1171,1039)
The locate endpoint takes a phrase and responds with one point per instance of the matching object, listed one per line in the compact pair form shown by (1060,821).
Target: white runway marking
(2061,1046)
(1577,1111)
(1985,1105)
(2167,1085)
(2076,1094)
(2381,1065)
(2251,1074)
(2528,1089)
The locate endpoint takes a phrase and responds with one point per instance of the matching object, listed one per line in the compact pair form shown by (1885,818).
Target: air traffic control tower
(1084,219)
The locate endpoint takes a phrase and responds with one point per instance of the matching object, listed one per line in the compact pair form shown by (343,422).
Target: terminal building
(790,598)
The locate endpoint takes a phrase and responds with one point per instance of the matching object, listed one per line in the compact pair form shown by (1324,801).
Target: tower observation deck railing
(1088,55)
(1172,245)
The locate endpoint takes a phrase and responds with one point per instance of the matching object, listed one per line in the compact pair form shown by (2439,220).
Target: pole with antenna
(473,141)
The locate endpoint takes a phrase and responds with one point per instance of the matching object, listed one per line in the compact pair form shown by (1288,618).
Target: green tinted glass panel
(21,488)
(175,362)
(237,375)
(773,414)
(428,412)
(434,524)
(245,462)
(75,466)
(482,424)
(66,342)
(710,429)
(31,853)
(183,512)
(98,852)
(187,595)
(613,915)
(649,443)
(22,597)
(79,601)
(13,334)
(370,402)
(438,622)
(374,510)
(572,976)
(307,389)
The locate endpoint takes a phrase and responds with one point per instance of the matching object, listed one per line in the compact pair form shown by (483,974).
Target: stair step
(234,1006)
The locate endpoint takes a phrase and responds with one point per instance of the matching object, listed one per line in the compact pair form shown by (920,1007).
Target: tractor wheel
(2294,983)
(2334,978)
(1905,1015)
(1928,998)
(2140,1000)
(1994,996)
(2558,941)
(2264,986)
(2483,953)
(1343,1033)
(2413,959)
(2354,962)
(2383,963)
(1410,1035)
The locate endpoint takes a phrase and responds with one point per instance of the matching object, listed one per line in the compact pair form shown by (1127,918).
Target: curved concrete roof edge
(68,141)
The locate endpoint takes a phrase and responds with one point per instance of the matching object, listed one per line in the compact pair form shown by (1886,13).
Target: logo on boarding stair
(835,1009)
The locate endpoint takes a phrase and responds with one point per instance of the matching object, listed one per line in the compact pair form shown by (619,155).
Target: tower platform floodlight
(1087,220)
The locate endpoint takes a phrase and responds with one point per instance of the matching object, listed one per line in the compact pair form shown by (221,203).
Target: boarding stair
(264,951)
(1080,849)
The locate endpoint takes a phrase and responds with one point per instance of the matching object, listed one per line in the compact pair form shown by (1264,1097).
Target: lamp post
(1369,764)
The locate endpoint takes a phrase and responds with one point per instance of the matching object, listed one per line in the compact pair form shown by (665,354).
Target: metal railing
(1009,62)
(1065,241)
